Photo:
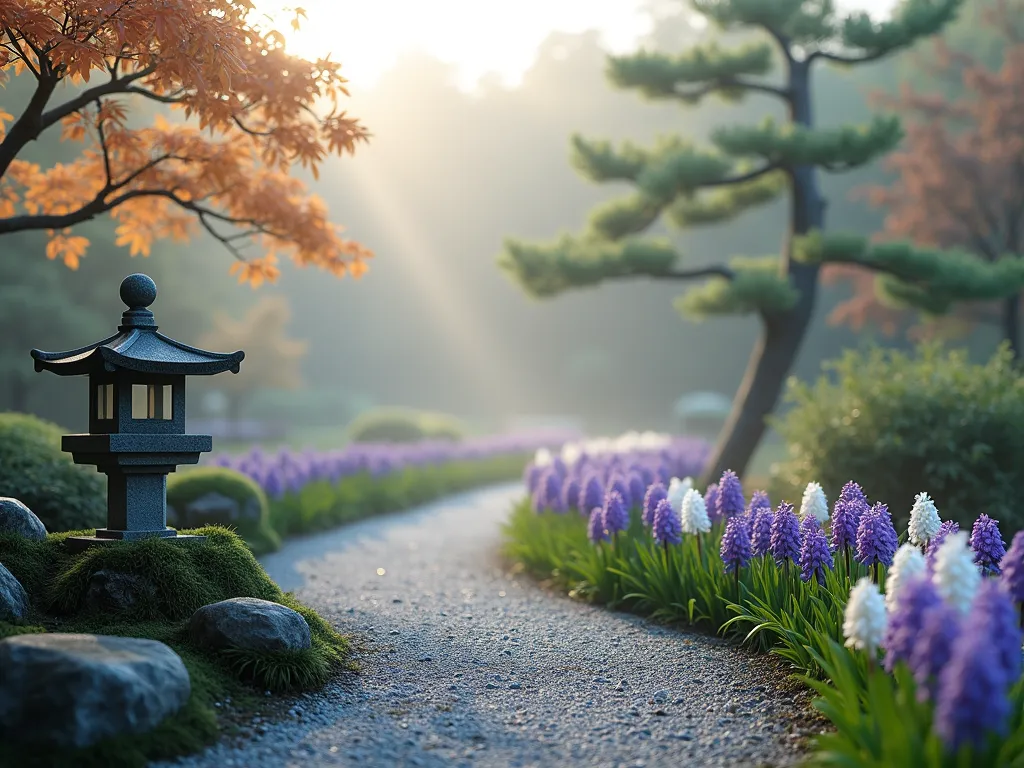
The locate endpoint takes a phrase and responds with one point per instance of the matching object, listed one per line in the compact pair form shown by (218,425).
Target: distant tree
(254,117)
(960,183)
(272,360)
(748,167)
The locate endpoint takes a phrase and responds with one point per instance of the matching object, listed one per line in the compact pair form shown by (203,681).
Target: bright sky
(478,36)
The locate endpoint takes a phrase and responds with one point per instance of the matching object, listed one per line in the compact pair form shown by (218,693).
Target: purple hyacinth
(846,514)
(940,628)
(655,494)
(785,540)
(730,502)
(993,606)
(916,598)
(987,543)
(815,556)
(637,488)
(758,500)
(972,698)
(711,502)
(808,524)
(616,513)
(618,484)
(595,528)
(1012,567)
(667,527)
(948,527)
(571,493)
(531,477)
(591,493)
(552,485)
(877,541)
(735,549)
(761,531)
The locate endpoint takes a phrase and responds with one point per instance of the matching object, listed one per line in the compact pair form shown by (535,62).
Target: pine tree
(746,166)
(960,182)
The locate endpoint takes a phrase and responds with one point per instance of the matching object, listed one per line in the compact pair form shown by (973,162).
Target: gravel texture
(466,663)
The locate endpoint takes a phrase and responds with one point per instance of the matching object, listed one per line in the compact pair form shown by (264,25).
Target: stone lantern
(136,415)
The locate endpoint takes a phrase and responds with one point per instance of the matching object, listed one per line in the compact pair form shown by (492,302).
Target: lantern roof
(137,345)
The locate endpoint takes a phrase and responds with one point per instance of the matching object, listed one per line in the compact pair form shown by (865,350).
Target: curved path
(467,664)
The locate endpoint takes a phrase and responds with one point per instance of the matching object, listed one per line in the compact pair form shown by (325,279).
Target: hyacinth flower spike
(865,619)
(694,520)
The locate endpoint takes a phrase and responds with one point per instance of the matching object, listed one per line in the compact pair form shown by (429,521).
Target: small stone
(660,696)
(490,686)
(601,680)
(394,632)
(116,592)
(15,517)
(13,597)
(514,686)
(71,691)
(250,624)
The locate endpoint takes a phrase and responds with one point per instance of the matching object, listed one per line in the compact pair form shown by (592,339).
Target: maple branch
(20,52)
(250,131)
(103,143)
(112,86)
(174,98)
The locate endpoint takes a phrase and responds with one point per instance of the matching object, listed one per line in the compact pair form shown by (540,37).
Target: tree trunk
(19,394)
(1011,324)
(782,333)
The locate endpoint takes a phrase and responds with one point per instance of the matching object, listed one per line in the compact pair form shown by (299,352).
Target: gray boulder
(75,690)
(13,597)
(116,592)
(15,517)
(212,509)
(246,623)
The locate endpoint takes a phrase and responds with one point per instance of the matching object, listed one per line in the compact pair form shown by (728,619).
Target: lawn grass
(184,577)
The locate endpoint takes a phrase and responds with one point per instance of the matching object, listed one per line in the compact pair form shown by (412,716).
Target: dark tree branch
(697,273)
(839,58)
(726,83)
(743,177)
(103,144)
(17,49)
(108,88)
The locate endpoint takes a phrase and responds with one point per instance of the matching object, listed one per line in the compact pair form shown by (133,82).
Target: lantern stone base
(104,536)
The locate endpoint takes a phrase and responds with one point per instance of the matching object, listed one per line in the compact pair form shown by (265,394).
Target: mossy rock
(185,577)
(251,518)
(33,469)
(402,425)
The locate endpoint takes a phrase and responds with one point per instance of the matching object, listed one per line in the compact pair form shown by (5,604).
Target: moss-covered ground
(184,577)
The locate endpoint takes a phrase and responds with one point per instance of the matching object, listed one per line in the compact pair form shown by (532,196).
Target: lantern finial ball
(138,291)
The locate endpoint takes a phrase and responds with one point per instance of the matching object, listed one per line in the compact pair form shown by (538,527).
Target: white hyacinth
(693,514)
(543,458)
(814,503)
(677,490)
(955,576)
(924,520)
(865,619)
(907,563)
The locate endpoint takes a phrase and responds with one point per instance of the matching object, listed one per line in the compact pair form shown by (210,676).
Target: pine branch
(547,269)
(928,279)
(709,68)
(727,203)
(859,39)
(833,149)
(758,285)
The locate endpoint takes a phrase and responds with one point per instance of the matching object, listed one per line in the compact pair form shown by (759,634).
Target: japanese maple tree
(960,183)
(251,113)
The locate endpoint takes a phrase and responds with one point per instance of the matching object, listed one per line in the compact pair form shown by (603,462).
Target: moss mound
(253,524)
(184,578)
(34,470)
(402,425)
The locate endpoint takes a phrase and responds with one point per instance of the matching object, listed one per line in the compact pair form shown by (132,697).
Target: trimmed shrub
(900,424)
(251,519)
(33,469)
(400,425)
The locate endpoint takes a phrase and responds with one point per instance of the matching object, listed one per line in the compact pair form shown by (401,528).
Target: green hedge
(401,425)
(901,424)
(253,519)
(323,505)
(34,470)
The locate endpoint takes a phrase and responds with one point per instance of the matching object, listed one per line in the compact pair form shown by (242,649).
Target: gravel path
(466,664)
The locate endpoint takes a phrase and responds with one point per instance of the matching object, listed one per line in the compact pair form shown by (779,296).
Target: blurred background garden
(438,343)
